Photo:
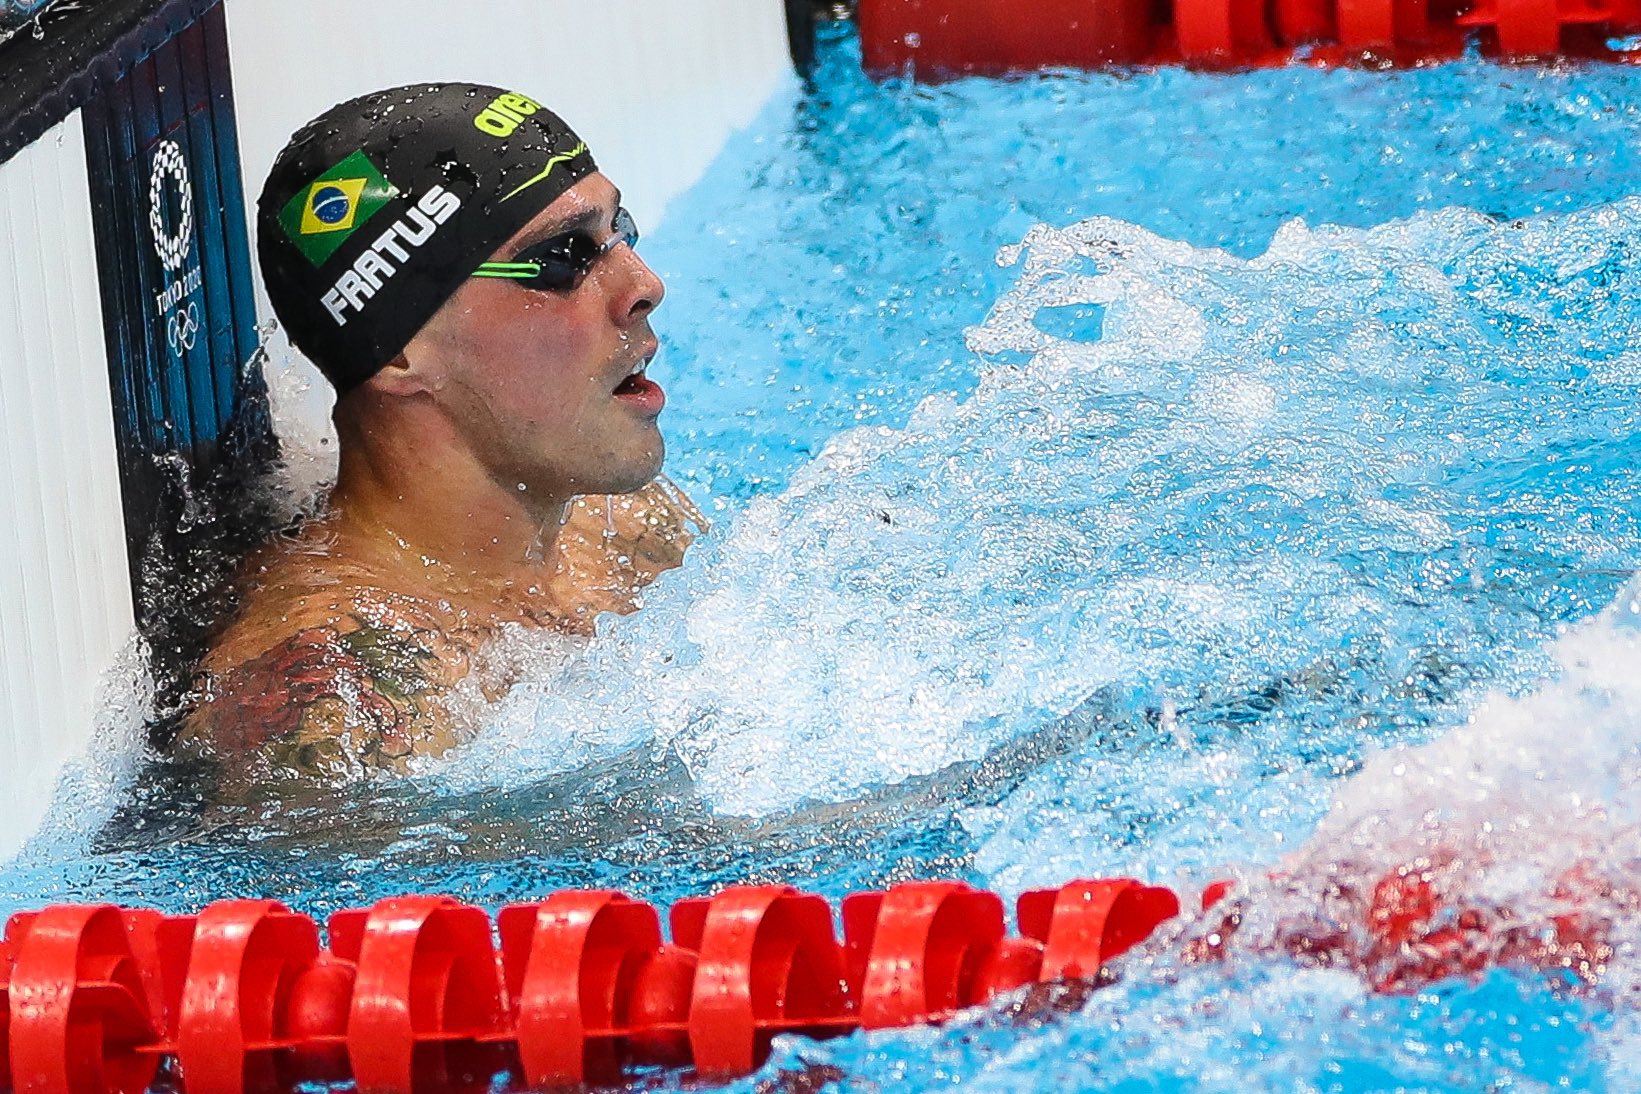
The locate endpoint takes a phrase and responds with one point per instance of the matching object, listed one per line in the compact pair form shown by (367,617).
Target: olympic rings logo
(182,329)
(169,165)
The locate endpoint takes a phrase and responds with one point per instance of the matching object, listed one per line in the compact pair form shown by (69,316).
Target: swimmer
(453,261)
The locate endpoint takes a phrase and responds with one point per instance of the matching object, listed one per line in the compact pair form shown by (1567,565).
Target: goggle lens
(562,263)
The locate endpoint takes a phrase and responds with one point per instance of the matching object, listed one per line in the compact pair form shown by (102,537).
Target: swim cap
(379,209)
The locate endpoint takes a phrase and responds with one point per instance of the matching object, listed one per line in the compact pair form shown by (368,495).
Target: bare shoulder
(331,669)
(322,676)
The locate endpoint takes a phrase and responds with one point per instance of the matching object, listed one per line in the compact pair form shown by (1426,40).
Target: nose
(642,290)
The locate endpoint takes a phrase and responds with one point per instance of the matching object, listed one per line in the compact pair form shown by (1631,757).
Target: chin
(636,475)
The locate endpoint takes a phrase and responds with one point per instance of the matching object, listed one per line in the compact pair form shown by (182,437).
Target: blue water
(1107,471)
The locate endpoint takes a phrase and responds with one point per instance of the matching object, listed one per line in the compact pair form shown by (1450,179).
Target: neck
(411,495)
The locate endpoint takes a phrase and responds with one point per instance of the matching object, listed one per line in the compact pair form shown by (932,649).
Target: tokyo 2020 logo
(170,173)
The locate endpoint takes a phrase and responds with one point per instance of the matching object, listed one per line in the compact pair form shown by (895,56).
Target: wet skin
(501,470)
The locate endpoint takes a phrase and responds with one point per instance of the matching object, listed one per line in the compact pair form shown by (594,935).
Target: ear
(408,373)
(422,367)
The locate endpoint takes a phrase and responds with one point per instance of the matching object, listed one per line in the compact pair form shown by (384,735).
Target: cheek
(531,368)
(539,366)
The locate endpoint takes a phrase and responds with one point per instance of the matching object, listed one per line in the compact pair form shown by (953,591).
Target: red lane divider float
(942,38)
(414,994)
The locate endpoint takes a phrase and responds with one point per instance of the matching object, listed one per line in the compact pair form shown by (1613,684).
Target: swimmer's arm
(333,702)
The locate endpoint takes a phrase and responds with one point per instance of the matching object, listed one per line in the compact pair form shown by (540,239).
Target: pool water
(1109,472)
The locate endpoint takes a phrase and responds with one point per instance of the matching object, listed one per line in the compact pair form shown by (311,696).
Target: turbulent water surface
(1160,473)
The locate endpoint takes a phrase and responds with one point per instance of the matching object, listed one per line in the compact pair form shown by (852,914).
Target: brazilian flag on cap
(322,215)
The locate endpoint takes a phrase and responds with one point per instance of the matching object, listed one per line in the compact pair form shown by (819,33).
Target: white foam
(1524,794)
(1219,491)
(92,785)
(299,402)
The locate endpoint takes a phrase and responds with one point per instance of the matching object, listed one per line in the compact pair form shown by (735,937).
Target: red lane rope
(937,38)
(415,993)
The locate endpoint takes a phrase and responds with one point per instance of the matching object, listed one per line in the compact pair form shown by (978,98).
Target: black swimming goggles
(562,263)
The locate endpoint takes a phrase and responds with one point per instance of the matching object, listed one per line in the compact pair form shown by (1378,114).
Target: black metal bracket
(800,34)
(802,19)
(79,48)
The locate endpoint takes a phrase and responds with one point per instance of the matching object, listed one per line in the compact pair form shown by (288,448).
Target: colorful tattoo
(376,685)
(334,700)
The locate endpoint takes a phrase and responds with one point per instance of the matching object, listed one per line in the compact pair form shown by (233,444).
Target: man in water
(454,262)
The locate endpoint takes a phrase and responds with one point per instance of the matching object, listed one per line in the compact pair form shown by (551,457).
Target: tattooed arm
(333,702)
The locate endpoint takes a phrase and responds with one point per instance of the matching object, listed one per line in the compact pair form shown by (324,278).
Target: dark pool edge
(56,65)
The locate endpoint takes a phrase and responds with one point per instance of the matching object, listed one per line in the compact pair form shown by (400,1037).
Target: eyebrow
(586,220)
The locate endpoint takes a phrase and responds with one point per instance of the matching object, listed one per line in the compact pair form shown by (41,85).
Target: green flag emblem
(323,214)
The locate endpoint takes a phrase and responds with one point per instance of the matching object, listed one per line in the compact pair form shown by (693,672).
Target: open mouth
(635,382)
(638,392)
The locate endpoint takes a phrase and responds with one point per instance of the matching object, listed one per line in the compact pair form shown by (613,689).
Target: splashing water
(843,246)
(1225,544)
(1529,793)
(1307,481)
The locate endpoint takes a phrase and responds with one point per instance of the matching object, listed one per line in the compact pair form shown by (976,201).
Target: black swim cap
(380,208)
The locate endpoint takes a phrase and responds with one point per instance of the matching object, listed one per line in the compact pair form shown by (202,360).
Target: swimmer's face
(537,381)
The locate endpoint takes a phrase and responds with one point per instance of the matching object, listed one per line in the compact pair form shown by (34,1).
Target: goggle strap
(519,270)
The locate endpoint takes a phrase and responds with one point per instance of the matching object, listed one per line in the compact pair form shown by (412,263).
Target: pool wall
(65,590)
(132,141)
